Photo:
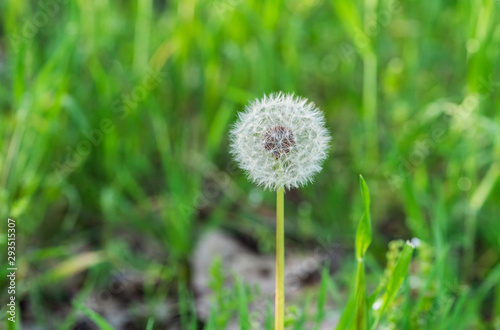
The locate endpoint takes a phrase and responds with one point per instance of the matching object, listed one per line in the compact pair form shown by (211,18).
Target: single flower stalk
(280,141)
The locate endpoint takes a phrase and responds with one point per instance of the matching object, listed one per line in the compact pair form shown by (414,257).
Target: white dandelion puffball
(280,141)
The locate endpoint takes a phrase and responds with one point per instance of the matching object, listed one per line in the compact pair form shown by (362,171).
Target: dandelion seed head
(280,141)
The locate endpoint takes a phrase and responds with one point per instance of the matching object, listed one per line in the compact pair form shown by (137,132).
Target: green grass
(114,120)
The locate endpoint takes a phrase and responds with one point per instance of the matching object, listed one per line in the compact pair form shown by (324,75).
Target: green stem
(280,261)
(370,105)
(370,84)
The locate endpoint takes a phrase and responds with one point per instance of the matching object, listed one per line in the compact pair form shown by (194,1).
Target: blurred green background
(114,150)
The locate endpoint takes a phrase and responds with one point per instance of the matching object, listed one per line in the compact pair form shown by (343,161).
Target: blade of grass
(150,324)
(361,319)
(186,309)
(243,316)
(347,314)
(364,230)
(95,317)
(363,241)
(323,289)
(269,317)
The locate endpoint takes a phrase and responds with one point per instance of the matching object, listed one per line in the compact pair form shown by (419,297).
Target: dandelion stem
(280,262)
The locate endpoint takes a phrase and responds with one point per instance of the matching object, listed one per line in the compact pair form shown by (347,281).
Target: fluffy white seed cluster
(280,141)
